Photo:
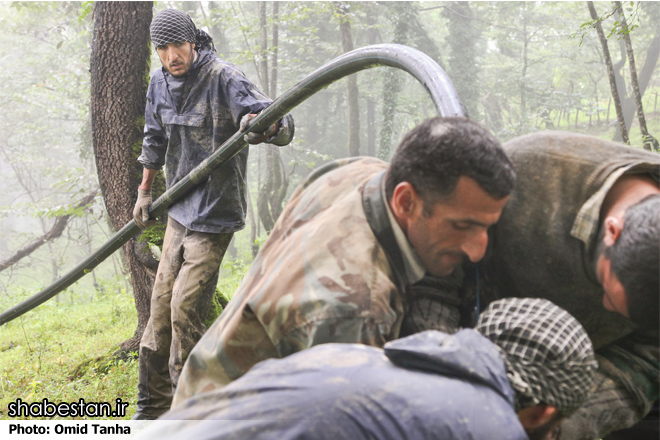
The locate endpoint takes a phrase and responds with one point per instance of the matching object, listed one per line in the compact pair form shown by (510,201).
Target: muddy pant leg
(154,383)
(192,293)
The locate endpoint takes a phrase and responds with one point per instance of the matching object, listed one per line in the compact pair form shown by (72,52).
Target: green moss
(139,123)
(100,364)
(154,234)
(218,304)
(136,148)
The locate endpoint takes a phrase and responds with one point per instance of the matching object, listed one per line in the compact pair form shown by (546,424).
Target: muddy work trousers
(183,290)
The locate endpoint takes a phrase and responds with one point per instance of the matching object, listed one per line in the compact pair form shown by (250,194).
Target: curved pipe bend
(421,66)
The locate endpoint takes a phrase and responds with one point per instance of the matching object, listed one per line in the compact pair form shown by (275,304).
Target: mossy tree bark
(120,76)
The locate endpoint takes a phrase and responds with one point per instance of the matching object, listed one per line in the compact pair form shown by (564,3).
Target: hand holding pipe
(418,64)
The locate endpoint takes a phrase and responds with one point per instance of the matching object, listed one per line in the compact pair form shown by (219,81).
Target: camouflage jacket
(542,247)
(186,121)
(322,276)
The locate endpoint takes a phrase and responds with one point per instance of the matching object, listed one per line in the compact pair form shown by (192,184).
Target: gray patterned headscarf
(171,25)
(548,355)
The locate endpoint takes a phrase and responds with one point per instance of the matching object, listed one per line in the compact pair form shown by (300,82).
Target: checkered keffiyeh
(171,25)
(548,355)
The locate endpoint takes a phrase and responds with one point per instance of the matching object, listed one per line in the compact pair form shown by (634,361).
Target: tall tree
(462,39)
(649,141)
(351,82)
(372,38)
(274,43)
(263,46)
(610,71)
(403,14)
(272,192)
(120,71)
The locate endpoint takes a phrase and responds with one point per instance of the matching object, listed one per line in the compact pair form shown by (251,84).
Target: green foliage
(618,28)
(154,234)
(86,8)
(218,304)
(232,272)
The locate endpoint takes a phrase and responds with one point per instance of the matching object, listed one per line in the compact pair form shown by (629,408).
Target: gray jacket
(185,121)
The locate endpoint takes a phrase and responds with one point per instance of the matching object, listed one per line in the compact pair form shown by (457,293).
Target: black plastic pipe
(418,64)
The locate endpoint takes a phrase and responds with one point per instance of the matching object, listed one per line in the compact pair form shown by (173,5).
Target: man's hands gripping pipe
(278,134)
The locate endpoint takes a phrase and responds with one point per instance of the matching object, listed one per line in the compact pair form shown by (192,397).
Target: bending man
(528,365)
(582,229)
(356,237)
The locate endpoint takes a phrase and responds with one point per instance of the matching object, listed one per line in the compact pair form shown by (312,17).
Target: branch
(56,231)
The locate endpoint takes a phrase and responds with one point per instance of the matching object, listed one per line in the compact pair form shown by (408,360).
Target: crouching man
(528,365)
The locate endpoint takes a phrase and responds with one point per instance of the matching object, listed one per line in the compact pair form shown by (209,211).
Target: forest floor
(62,352)
(54,351)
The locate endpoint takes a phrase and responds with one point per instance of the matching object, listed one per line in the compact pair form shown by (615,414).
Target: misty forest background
(519,67)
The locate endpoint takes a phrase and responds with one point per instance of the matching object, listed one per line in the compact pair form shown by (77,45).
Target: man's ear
(613,227)
(534,416)
(404,199)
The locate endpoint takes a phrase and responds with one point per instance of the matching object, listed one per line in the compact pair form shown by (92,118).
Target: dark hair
(635,259)
(433,155)
(203,41)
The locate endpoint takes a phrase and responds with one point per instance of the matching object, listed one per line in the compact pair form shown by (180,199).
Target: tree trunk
(523,81)
(402,15)
(120,68)
(645,76)
(265,191)
(274,43)
(281,179)
(263,52)
(649,141)
(254,247)
(463,49)
(610,72)
(351,82)
(273,190)
(372,35)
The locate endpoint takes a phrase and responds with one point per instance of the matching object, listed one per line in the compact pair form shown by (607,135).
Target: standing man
(582,229)
(528,365)
(355,238)
(195,102)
